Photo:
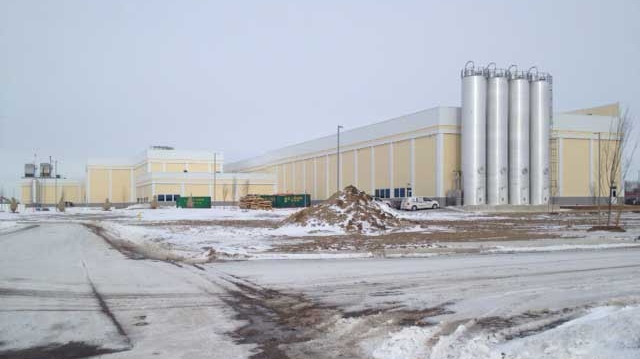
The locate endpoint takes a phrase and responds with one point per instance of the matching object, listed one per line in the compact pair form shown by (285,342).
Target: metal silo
(474,121)
(497,136)
(539,135)
(518,137)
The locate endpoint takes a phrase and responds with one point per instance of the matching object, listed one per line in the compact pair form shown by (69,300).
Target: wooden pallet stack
(253,201)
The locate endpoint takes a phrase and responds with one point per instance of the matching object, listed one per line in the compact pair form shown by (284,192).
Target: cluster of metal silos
(506,121)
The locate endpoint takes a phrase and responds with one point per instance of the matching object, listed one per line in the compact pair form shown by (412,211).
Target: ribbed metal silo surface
(474,121)
(539,137)
(518,139)
(497,137)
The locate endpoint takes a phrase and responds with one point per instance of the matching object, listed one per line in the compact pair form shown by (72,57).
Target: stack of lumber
(252,201)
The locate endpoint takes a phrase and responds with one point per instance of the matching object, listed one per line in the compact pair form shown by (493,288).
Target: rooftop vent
(164,148)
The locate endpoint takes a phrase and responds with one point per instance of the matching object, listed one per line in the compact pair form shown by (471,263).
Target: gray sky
(82,79)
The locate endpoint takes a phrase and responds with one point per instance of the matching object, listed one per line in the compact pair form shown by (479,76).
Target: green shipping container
(198,202)
(289,200)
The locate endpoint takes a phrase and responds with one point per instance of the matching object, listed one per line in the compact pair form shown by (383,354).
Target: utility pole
(599,175)
(55,184)
(338,159)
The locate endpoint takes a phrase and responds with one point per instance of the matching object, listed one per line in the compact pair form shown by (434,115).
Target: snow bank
(560,247)
(605,332)
(407,343)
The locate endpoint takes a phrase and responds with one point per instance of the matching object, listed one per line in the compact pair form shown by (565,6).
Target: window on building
(409,192)
(160,198)
(176,197)
(377,193)
(387,193)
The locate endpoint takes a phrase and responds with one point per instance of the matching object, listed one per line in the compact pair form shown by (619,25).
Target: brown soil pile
(350,209)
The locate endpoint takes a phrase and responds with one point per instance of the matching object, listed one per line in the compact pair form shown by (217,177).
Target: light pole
(338,159)
(55,184)
(214,175)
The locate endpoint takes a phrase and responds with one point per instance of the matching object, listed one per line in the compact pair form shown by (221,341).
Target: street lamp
(338,159)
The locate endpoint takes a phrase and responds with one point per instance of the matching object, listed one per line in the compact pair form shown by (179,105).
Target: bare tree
(617,156)
(225,193)
(245,190)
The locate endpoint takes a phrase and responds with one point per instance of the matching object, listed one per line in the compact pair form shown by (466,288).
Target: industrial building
(159,171)
(504,146)
(420,154)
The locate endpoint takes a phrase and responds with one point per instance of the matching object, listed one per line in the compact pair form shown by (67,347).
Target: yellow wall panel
(198,167)
(321,178)
(281,178)
(332,175)
(98,185)
(156,167)
(167,189)
(288,177)
(364,170)
(25,194)
(402,164)
(120,186)
(381,154)
(196,190)
(309,177)
(260,189)
(575,171)
(451,161)
(425,166)
(174,167)
(299,177)
(348,170)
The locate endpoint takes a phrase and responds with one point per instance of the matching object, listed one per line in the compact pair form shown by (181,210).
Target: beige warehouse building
(160,171)
(419,154)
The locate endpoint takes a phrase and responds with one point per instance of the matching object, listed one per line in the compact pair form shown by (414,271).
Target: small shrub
(107,205)
(154,203)
(61,206)
(13,205)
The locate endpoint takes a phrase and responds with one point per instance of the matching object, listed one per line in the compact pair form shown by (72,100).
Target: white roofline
(436,116)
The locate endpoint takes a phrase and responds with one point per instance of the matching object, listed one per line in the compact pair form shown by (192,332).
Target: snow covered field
(444,285)
(232,233)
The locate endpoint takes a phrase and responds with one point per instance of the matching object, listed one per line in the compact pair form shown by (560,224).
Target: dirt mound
(350,209)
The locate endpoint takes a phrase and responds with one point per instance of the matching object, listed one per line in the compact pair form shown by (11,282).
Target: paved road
(475,285)
(62,283)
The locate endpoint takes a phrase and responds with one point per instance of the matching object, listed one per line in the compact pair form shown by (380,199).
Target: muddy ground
(428,233)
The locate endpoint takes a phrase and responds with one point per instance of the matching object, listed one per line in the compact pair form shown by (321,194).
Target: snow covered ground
(524,305)
(247,234)
(508,303)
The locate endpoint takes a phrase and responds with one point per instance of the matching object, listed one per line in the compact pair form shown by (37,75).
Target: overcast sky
(81,79)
